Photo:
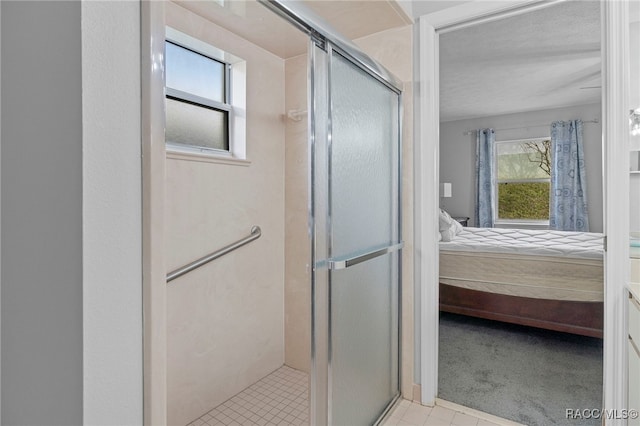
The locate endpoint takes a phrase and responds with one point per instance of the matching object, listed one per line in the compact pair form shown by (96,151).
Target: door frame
(154,288)
(321,278)
(615,62)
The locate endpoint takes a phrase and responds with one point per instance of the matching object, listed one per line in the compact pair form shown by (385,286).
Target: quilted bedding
(581,245)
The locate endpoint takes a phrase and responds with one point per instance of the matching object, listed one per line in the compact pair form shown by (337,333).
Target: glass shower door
(356,207)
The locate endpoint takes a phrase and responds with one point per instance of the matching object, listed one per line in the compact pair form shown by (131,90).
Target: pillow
(448,234)
(444,221)
(458,226)
(449,227)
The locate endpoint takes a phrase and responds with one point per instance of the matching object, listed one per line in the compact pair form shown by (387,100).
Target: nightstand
(464,221)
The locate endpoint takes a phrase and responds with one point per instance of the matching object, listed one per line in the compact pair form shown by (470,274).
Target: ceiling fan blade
(536,55)
(586,77)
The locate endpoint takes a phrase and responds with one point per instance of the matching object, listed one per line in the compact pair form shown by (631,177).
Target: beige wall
(297,241)
(225,320)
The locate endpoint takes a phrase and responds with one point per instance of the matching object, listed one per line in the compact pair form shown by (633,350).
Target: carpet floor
(524,374)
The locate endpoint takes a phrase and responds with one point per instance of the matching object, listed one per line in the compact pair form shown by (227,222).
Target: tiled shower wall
(297,294)
(225,320)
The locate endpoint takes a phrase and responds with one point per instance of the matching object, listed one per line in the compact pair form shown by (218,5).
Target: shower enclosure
(355,165)
(302,324)
(356,238)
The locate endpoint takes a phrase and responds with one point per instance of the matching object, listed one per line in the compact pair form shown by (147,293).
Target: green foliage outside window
(529,161)
(523,200)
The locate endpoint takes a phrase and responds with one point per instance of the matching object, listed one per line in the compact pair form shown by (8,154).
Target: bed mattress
(580,245)
(553,265)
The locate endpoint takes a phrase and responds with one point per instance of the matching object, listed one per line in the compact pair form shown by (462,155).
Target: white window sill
(521,224)
(206,158)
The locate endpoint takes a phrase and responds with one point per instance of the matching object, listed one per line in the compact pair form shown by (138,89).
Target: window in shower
(204,105)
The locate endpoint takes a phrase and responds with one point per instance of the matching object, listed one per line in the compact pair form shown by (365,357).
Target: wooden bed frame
(584,318)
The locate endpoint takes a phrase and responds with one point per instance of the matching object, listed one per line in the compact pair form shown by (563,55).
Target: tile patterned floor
(281,398)
(408,413)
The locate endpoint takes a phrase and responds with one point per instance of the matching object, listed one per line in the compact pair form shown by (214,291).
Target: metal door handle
(335,264)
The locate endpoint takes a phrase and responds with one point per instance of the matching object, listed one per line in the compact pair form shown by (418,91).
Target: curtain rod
(470,132)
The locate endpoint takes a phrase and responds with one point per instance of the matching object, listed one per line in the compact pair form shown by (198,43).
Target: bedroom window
(523,180)
(204,98)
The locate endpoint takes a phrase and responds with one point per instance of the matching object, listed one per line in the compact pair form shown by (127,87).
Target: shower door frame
(322,338)
(322,36)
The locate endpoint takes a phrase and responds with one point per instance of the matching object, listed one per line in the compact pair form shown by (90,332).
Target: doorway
(485,83)
(616,184)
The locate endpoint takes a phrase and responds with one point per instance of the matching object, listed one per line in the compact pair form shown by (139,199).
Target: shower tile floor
(281,398)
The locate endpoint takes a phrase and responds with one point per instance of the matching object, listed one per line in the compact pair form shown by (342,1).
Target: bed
(540,278)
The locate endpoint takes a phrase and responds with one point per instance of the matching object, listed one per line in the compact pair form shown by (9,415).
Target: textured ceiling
(538,60)
(544,59)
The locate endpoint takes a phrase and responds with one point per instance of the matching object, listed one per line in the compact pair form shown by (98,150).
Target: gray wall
(457,153)
(41,176)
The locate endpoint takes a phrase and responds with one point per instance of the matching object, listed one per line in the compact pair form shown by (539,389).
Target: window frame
(529,223)
(234,105)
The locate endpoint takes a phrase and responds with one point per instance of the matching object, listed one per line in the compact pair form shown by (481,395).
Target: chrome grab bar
(335,264)
(255,234)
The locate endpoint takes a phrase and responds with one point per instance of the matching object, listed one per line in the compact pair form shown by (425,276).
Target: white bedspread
(577,245)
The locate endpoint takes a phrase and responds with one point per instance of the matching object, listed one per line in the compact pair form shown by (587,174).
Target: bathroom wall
(393,49)
(297,241)
(42,213)
(225,320)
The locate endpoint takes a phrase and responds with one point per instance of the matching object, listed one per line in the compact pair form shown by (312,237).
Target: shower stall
(338,358)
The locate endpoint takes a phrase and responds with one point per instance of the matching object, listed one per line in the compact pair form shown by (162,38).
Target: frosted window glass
(196,125)
(194,73)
